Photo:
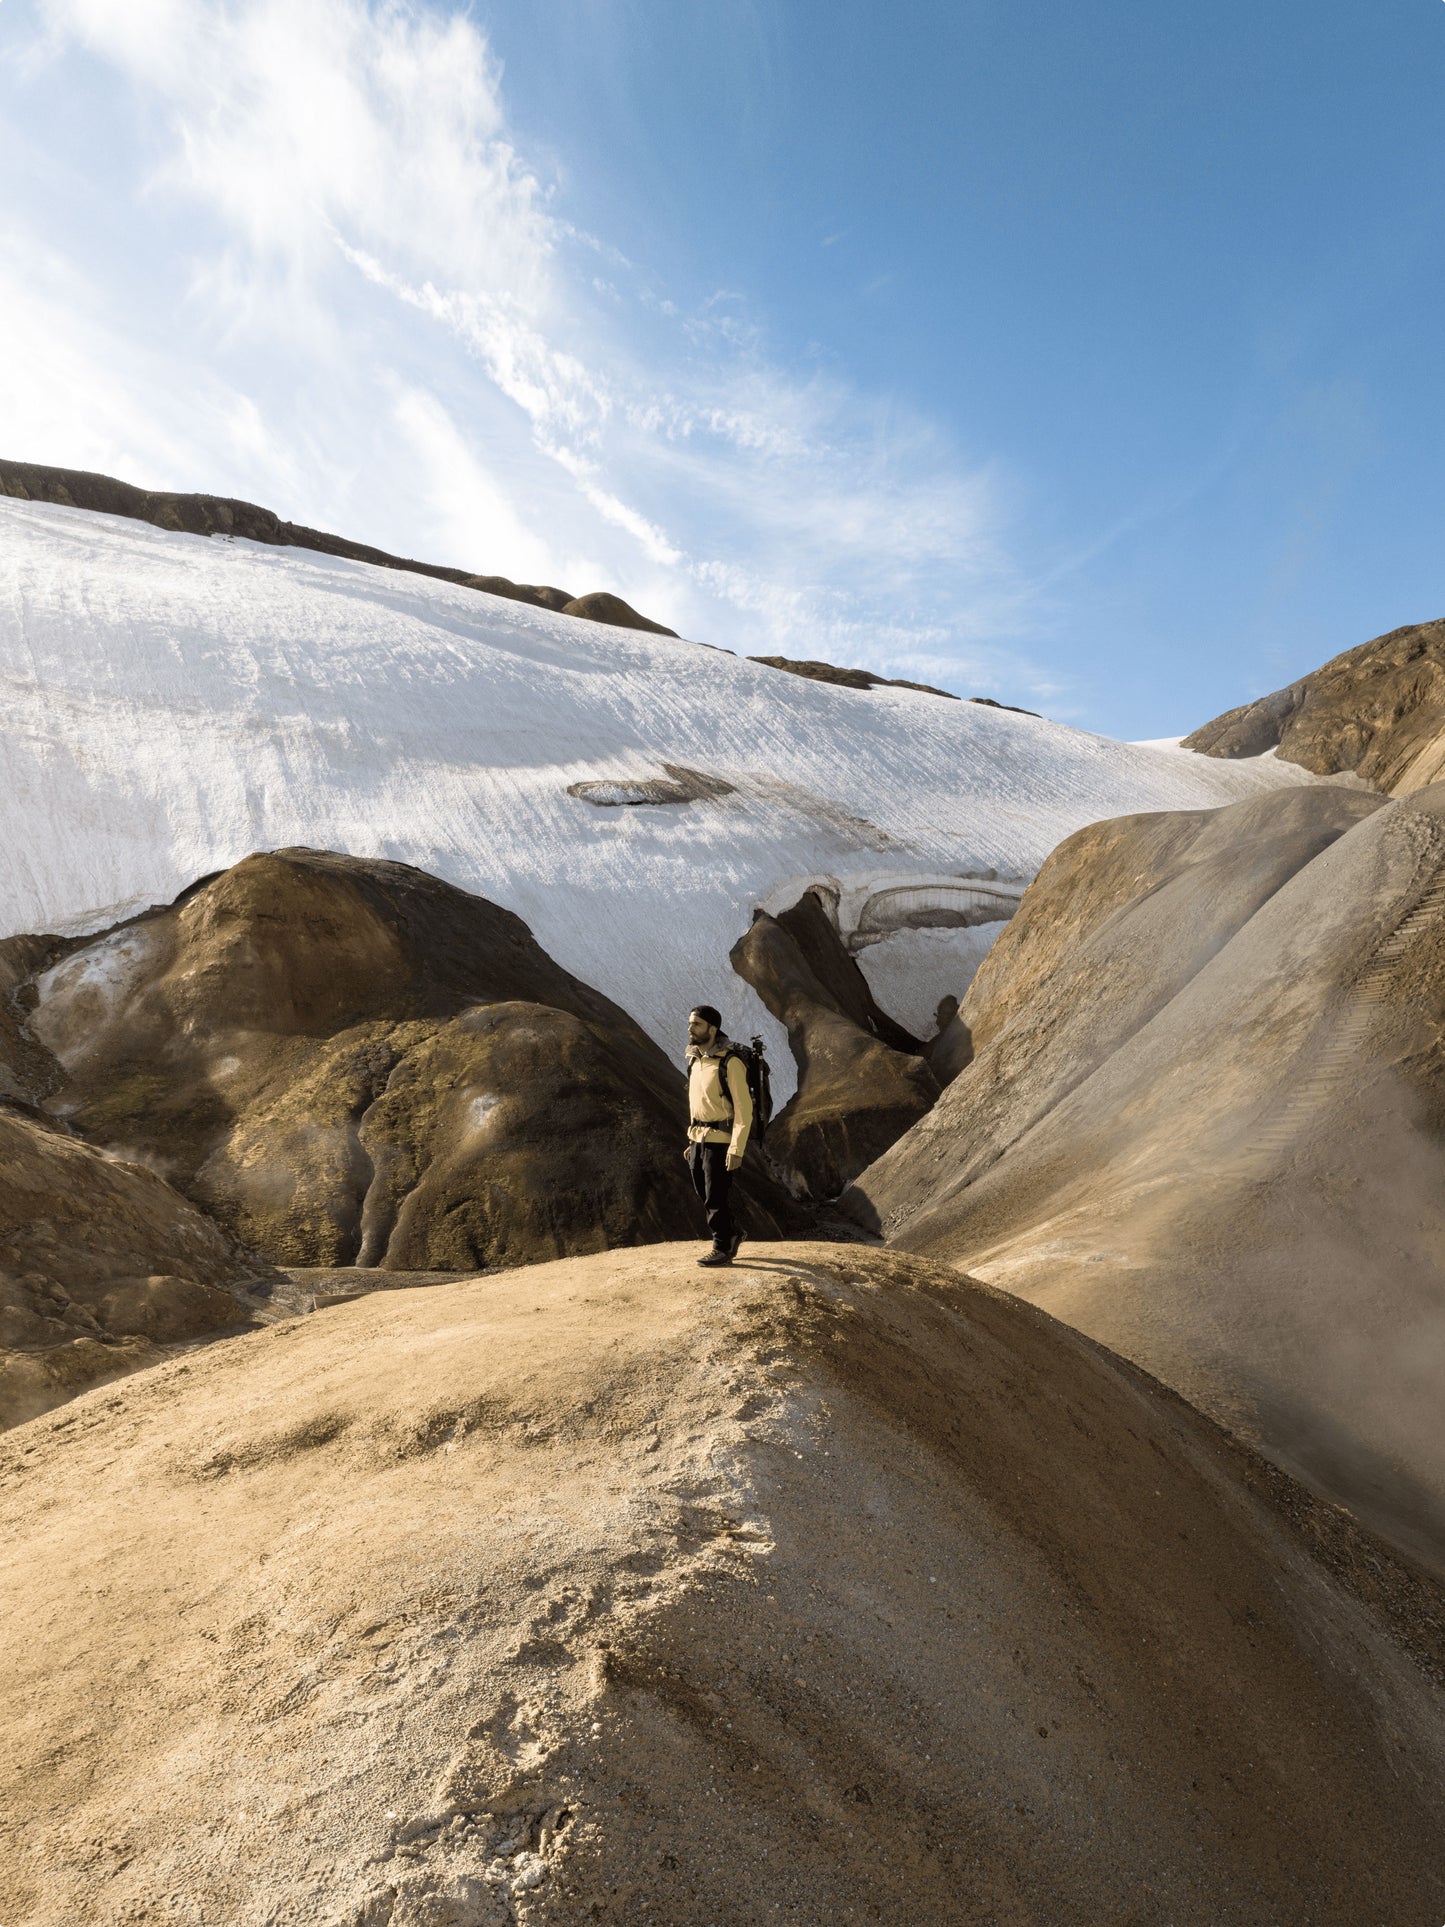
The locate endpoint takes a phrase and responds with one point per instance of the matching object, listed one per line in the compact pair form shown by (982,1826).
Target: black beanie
(708,1015)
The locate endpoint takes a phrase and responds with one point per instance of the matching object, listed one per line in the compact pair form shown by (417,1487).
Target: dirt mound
(223,515)
(851,1591)
(1206,1124)
(1378,710)
(599,606)
(352,1062)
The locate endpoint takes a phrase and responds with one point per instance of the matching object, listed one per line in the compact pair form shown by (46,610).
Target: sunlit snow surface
(172,702)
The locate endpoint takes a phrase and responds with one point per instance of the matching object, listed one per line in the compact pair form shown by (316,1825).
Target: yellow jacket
(712,1119)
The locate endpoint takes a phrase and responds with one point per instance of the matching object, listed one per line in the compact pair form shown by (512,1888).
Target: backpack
(760,1084)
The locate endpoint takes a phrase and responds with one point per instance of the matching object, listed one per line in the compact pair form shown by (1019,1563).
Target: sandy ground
(831,1588)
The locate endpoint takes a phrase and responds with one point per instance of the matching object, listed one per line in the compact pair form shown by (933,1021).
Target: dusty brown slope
(1378,710)
(223,515)
(351,1061)
(848,1591)
(1205,1126)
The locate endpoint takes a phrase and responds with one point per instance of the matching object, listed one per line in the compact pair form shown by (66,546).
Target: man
(720,1110)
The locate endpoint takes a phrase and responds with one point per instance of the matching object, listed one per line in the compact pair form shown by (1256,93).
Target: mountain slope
(173,703)
(1204,1124)
(592,1594)
(1378,710)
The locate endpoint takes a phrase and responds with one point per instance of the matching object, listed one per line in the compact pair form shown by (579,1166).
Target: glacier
(173,702)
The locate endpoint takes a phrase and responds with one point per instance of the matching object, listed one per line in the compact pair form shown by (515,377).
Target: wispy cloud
(386,306)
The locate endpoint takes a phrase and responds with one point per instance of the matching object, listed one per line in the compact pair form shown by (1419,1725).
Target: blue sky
(1088,357)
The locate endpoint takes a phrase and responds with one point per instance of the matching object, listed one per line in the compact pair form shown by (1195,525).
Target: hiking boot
(733,1247)
(717,1258)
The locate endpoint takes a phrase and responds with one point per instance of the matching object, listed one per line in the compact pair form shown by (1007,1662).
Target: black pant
(712,1181)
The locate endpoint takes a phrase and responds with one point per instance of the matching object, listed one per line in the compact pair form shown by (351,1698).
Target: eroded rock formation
(103,1266)
(343,1059)
(1206,1124)
(861,1078)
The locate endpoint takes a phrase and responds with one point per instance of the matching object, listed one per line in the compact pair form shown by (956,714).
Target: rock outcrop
(1204,1124)
(1378,711)
(347,1061)
(861,1078)
(854,1592)
(224,516)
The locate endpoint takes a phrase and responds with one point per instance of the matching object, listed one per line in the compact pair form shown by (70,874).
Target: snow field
(170,703)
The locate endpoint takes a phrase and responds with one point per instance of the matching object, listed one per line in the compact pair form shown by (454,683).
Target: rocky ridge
(224,516)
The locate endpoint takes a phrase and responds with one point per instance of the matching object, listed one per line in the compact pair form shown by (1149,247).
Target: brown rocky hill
(223,515)
(1378,710)
(352,1062)
(1205,1123)
(851,1591)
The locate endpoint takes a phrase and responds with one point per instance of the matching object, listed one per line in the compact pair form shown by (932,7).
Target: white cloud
(385,308)
(75,394)
(467,504)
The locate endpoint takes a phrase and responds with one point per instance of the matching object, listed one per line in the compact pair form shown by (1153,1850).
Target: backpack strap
(722,1073)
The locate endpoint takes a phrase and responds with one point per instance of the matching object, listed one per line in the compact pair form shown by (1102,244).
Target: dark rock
(846,678)
(818,944)
(539,596)
(599,606)
(987,702)
(857,1093)
(678,785)
(28,1072)
(950,1050)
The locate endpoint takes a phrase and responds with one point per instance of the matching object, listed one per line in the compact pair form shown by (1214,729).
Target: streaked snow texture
(171,703)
